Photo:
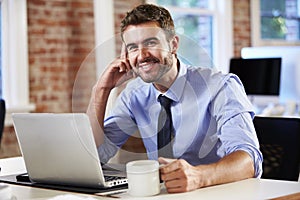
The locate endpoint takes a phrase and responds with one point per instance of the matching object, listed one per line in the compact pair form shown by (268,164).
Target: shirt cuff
(257,160)
(107,150)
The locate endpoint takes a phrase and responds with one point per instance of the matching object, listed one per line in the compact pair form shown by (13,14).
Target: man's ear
(174,44)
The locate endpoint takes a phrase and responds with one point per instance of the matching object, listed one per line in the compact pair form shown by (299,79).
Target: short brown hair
(149,13)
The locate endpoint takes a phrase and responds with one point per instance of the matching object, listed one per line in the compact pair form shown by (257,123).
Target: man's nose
(142,53)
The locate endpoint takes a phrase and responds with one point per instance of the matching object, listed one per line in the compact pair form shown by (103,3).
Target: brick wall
(9,144)
(60,36)
(61,62)
(241,25)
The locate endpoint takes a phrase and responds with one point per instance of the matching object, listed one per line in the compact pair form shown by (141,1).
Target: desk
(251,189)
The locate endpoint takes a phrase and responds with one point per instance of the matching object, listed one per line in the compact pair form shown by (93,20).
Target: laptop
(59,149)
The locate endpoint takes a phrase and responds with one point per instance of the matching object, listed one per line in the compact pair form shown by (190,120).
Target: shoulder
(137,84)
(210,78)
(205,75)
(211,74)
(136,88)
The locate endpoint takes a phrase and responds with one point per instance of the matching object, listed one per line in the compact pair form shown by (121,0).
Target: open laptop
(59,149)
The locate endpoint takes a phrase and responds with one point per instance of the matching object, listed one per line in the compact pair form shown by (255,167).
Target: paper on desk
(5,191)
(71,196)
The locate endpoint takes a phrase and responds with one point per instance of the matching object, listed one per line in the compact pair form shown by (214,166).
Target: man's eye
(132,48)
(150,43)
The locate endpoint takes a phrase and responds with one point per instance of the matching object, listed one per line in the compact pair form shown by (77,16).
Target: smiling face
(150,54)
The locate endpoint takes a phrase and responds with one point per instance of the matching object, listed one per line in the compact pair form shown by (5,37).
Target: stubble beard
(163,69)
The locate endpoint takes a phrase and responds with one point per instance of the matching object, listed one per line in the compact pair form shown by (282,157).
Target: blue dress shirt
(212,117)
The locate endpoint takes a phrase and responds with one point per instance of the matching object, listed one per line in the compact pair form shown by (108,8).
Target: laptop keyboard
(115,180)
(112,178)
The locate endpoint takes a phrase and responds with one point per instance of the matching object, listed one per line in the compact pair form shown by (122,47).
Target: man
(213,137)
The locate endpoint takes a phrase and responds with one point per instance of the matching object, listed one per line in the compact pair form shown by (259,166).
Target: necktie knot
(164,101)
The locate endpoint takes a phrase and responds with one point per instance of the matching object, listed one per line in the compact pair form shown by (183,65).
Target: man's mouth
(146,66)
(147,63)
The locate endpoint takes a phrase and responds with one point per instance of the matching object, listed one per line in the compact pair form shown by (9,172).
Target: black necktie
(165,128)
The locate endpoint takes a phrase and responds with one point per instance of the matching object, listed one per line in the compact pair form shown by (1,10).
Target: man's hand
(118,72)
(179,175)
(115,74)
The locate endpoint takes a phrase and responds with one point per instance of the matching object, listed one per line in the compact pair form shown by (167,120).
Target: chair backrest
(279,140)
(2,117)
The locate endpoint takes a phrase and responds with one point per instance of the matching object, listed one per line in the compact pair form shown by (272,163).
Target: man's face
(149,52)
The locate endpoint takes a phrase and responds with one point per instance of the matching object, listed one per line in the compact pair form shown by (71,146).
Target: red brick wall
(241,25)
(61,38)
(9,145)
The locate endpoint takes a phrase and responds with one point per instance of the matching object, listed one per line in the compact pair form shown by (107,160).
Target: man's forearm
(96,112)
(233,167)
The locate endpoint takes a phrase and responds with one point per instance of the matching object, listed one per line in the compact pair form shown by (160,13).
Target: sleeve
(118,127)
(234,114)
(238,133)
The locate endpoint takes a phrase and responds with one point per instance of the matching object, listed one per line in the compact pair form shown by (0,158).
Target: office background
(54,60)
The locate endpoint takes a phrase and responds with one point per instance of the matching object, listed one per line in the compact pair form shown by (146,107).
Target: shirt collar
(176,90)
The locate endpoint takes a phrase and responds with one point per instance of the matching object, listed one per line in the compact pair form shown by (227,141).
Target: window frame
(104,32)
(255,29)
(14,46)
(221,11)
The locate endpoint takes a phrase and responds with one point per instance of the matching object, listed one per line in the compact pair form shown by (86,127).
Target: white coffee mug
(143,177)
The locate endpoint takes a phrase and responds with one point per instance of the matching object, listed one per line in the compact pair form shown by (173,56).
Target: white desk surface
(251,189)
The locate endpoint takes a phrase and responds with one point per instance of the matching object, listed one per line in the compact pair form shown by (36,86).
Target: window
(191,22)
(205,26)
(14,54)
(275,22)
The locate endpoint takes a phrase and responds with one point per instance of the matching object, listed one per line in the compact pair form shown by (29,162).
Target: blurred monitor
(290,68)
(260,76)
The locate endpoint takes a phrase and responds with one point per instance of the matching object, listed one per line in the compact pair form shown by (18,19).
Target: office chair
(279,140)
(2,117)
